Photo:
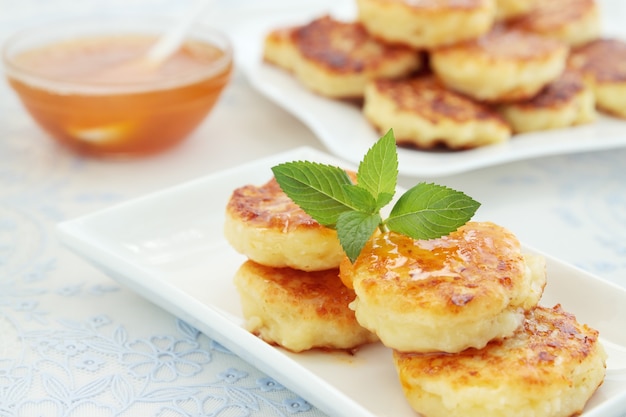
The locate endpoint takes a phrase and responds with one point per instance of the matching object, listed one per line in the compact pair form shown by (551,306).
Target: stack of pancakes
(460,313)
(469,339)
(290,289)
(461,73)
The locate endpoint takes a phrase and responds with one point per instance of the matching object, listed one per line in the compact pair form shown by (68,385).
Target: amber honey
(97,95)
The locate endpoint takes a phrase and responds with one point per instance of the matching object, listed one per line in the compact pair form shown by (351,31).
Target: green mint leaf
(326,193)
(378,171)
(317,188)
(354,229)
(361,198)
(429,211)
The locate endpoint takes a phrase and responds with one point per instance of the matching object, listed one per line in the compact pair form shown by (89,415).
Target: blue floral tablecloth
(72,341)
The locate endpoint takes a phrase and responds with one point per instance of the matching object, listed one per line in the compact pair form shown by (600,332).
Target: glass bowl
(84,82)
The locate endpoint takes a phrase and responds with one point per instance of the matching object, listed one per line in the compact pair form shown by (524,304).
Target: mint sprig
(328,195)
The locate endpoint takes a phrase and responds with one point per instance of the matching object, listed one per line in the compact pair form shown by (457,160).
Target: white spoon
(169,42)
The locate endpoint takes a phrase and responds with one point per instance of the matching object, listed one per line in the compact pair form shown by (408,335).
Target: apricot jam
(96,95)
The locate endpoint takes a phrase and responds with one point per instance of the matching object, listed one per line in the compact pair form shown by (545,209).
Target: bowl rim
(67,86)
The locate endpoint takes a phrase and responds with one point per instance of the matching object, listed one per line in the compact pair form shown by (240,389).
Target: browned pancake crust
(279,48)
(509,44)
(428,98)
(269,207)
(542,354)
(343,47)
(281,35)
(503,65)
(603,59)
(557,94)
(426,24)
(320,293)
(553,17)
(299,310)
(453,275)
(264,224)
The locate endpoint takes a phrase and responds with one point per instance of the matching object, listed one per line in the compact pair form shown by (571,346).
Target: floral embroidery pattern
(164,359)
(53,366)
(81,371)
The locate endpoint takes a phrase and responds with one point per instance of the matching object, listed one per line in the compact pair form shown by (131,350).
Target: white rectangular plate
(344,131)
(169,248)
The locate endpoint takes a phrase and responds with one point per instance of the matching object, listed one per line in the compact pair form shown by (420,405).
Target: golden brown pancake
(299,310)
(550,367)
(574,22)
(445,294)
(603,65)
(279,48)
(568,101)
(502,66)
(423,113)
(426,24)
(336,58)
(269,228)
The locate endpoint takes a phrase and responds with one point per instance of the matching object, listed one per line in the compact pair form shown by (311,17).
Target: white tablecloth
(73,342)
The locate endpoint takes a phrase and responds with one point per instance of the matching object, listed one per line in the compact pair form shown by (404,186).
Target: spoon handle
(172,39)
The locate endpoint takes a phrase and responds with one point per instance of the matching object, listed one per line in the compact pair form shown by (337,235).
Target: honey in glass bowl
(85,83)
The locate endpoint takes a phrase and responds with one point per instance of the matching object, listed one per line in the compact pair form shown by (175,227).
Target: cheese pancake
(550,367)
(279,48)
(426,24)
(299,310)
(568,101)
(445,294)
(424,114)
(502,66)
(603,65)
(269,228)
(574,22)
(335,58)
